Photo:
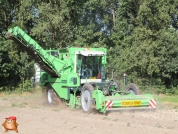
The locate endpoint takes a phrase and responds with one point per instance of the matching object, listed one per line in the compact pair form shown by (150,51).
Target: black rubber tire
(51,97)
(132,88)
(116,85)
(87,102)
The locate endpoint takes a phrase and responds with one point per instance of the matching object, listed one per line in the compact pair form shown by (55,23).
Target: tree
(11,14)
(145,41)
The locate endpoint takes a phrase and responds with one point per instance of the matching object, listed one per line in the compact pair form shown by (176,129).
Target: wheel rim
(86,100)
(49,96)
(131,91)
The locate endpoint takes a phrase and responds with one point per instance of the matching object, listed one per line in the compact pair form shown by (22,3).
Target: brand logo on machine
(64,81)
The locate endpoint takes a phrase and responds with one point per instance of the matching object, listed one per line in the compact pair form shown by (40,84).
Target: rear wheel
(51,96)
(86,98)
(132,88)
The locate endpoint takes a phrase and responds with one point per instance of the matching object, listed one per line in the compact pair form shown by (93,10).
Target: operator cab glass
(55,54)
(89,67)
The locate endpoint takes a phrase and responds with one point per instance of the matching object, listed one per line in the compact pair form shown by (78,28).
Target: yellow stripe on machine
(131,103)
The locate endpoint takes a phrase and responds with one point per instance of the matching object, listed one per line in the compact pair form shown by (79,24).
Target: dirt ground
(35,117)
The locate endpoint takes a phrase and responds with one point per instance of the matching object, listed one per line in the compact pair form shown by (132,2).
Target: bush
(25,87)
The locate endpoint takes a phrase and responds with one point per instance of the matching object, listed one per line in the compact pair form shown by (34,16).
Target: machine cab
(89,66)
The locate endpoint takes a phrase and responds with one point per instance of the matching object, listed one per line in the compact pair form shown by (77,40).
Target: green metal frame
(118,100)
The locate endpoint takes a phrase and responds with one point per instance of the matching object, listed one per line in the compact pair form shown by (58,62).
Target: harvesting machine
(78,77)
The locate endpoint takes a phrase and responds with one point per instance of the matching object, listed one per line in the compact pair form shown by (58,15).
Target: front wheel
(87,101)
(132,88)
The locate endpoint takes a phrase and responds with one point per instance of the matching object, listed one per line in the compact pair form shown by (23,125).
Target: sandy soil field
(35,117)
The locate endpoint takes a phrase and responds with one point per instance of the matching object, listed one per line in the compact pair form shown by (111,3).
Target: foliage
(140,35)
(146,46)
(24,87)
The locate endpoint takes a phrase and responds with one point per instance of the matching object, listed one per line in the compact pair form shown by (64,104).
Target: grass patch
(36,107)
(21,105)
(158,125)
(16,95)
(106,118)
(74,127)
(168,98)
(55,109)
(35,90)
(167,101)
(43,118)
(169,127)
(65,123)
(115,119)
(128,124)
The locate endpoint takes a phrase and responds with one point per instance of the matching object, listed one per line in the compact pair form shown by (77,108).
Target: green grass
(7,93)
(167,101)
(25,95)
(106,118)
(56,109)
(169,127)
(21,105)
(74,127)
(128,124)
(115,119)
(168,98)
(65,122)
(158,125)
(36,107)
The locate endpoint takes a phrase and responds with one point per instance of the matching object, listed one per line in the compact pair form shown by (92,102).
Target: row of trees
(140,35)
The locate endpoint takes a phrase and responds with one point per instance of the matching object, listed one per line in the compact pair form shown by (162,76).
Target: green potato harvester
(77,77)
